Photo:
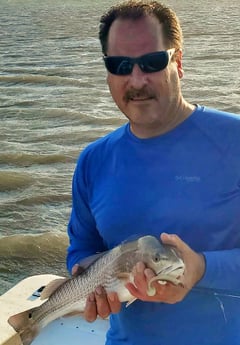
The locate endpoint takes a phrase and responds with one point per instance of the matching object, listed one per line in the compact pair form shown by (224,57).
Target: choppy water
(54,100)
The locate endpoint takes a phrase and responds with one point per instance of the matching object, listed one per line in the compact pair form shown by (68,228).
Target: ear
(179,55)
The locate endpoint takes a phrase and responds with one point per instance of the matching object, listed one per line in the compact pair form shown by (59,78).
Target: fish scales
(75,290)
(111,270)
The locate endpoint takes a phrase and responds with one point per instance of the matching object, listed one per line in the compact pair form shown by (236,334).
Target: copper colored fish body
(112,270)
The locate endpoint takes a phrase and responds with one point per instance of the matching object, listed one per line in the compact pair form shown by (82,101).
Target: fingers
(114,302)
(77,270)
(167,293)
(140,287)
(139,276)
(90,312)
(142,276)
(194,262)
(101,304)
(74,269)
(180,246)
(172,240)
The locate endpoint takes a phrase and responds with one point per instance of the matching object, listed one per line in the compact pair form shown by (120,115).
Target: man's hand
(169,293)
(99,303)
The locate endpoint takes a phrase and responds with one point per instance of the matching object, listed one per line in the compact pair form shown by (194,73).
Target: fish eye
(156,257)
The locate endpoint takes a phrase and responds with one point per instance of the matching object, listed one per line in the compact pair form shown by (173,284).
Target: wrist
(201,267)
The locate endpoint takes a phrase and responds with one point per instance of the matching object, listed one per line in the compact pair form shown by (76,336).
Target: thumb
(77,270)
(170,239)
(194,262)
(175,241)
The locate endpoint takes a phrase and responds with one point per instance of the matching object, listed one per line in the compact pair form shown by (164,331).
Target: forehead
(135,37)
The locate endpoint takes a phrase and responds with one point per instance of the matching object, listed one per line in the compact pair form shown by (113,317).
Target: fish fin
(25,326)
(132,238)
(73,313)
(89,260)
(51,287)
(131,301)
(123,276)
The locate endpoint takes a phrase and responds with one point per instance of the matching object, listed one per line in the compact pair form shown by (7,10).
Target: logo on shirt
(187,179)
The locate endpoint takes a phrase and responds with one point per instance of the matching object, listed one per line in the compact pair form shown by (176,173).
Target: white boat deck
(70,330)
(73,330)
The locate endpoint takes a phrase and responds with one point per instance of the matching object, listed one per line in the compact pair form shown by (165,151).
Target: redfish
(112,270)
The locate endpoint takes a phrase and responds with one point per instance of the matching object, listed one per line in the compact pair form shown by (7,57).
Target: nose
(138,78)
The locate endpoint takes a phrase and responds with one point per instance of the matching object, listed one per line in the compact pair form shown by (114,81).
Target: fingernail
(99,290)
(140,267)
(149,273)
(111,296)
(165,235)
(91,297)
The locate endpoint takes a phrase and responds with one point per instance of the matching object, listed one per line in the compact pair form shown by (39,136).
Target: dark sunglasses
(149,63)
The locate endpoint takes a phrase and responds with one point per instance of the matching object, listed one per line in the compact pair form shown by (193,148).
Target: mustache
(138,93)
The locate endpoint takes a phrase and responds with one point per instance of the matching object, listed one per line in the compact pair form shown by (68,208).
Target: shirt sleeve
(84,238)
(222,270)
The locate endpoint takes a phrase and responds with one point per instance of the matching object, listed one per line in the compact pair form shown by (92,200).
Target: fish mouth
(174,270)
(170,274)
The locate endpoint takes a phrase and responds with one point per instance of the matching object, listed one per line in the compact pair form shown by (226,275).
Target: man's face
(147,99)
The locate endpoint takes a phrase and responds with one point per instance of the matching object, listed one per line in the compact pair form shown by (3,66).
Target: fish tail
(25,326)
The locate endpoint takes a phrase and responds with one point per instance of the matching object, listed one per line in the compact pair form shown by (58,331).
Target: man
(172,171)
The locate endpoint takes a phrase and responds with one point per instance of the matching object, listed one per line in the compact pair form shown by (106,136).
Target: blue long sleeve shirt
(186,181)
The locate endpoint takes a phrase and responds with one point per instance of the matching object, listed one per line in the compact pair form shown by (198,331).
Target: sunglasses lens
(149,63)
(154,62)
(118,65)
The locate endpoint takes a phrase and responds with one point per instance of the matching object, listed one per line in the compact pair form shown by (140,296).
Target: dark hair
(135,9)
